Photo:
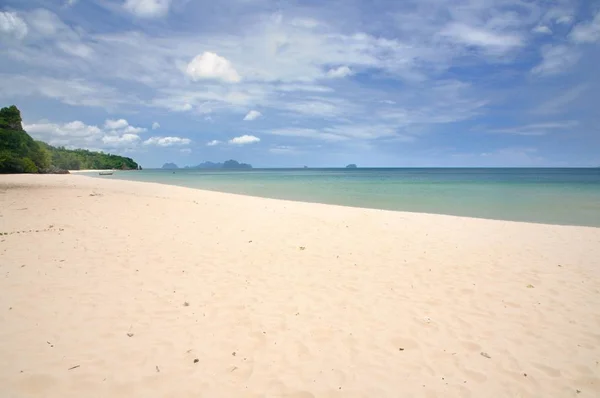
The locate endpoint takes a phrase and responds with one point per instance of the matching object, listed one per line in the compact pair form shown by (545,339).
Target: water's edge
(544,196)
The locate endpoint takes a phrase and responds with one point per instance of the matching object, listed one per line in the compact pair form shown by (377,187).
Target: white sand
(378,304)
(88,171)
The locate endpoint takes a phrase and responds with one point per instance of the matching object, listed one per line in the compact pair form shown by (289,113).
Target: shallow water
(553,196)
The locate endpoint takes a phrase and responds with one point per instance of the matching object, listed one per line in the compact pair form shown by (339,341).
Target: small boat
(106,173)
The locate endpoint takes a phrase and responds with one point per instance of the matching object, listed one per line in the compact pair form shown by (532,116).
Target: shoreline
(349,206)
(150,289)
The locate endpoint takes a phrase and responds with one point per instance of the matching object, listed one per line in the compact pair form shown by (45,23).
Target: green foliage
(29,166)
(78,159)
(10,117)
(19,153)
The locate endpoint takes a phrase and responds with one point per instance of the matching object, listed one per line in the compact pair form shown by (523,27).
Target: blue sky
(317,83)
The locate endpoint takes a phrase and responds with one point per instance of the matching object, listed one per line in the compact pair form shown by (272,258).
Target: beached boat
(106,173)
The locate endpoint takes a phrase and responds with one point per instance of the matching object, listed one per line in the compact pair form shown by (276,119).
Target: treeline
(19,153)
(79,159)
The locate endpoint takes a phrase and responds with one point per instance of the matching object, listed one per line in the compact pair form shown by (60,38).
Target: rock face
(170,166)
(352,166)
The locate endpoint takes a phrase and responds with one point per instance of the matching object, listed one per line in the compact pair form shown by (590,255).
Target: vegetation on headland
(19,153)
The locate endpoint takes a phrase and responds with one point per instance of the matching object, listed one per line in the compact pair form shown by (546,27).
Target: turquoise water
(553,196)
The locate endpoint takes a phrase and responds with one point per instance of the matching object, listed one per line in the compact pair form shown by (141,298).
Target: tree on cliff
(19,153)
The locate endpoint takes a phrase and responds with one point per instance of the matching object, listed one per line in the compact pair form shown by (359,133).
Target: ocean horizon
(563,196)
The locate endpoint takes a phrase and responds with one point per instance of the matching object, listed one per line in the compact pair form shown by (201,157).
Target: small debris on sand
(485,354)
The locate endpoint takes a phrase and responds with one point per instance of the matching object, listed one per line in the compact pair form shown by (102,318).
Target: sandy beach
(122,289)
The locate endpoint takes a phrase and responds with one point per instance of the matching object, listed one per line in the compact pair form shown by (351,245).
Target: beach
(114,288)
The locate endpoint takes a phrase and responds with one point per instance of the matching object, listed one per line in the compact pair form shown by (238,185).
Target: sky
(378,83)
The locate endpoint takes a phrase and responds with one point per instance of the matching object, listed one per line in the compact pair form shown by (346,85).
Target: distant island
(351,166)
(19,153)
(170,166)
(229,164)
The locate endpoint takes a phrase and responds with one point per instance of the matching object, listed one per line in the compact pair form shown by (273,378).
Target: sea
(565,196)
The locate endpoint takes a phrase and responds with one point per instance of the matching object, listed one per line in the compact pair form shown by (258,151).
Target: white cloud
(52,130)
(167,141)
(213,143)
(148,8)
(47,23)
(209,65)
(556,59)
(115,124)
(133,130)
(75,48)
(70,3)
(179,107)
(339,72)
(542,29)
(244,139)
(536,129)
(483,38)
(122,126)
(307,133)
(76,92)
(121,140)
(320,107)
(12,25)
(283,150)
(252,115)
(564,20)
(587,32)
(155,126)
(185,150)
(113,134)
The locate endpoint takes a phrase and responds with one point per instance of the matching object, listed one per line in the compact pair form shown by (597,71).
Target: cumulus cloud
(339,72)
(12,25)
(213,143)
(113,134)
(122,126)
(148,8)
(155,126)
(252,115)
(121,140)
(587,32)
(116,124)
(211,66)
(54,130)
(244,139)
(167,141)
(185,150)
